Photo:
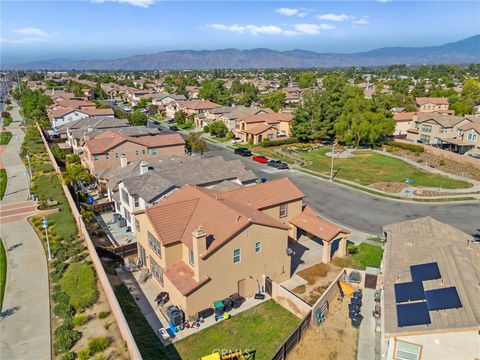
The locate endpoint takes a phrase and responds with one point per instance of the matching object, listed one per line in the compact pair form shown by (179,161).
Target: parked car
(475,156)
(242,152)
(278,164)
(173,128)
(261,159)
(236,140)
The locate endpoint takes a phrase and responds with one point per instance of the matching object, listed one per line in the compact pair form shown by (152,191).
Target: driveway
(358,210)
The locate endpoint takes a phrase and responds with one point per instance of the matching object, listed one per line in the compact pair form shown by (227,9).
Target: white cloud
(309,29)
(232,28)
(361,21)
(252,29)
(291,33)
(291,12)
(334,17)
(383,1)
(139,3)
(28,36)
(327,27)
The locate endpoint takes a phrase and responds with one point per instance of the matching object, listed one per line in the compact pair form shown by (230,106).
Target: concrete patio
(117,235)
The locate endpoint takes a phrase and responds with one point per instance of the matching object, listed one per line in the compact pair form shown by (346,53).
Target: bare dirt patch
(334,339)
(318,277)
(390,187)
(314,272)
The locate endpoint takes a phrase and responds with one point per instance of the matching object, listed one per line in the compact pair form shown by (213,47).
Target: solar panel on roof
(409,291)
(413,314)
(424,272)
(441,299)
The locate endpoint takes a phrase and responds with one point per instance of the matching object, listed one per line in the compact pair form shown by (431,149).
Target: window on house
(144,151)
(116,155)
(154,244)
(283,210)
(136,152)
(125,197)
(442,130)
(258,246)
(107,156)
(427,128)
(95,157)
(425,139)
(154,151)
(136,201)
(191,257)
(472,137)
(407,351)
(137,225)
(236,256)
(156,271)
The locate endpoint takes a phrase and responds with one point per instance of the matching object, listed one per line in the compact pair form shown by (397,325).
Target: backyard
(360,257)
(367,168)
(262,328)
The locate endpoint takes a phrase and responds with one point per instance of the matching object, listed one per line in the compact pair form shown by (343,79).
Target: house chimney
(143,167)
(89,129)
(123,160)
(199,244)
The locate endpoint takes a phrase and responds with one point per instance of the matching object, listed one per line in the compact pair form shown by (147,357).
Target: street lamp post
(29,166)
(331,165)
(27,177)
(45,226)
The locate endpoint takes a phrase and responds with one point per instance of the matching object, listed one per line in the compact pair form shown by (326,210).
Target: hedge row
(411,147)
(268,143)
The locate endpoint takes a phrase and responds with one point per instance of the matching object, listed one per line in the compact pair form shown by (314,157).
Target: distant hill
(459,52)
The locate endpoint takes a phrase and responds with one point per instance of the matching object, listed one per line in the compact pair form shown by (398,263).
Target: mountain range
(460,52)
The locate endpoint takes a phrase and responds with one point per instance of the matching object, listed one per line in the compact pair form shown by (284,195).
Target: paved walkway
(366,338)
(25,316)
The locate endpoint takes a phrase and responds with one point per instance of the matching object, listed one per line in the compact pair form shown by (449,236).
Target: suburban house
(164,99)
(192,92)
(229,115)
(203,245)
(433,128)
(196,107)
(111,148)
(256,128)
(403,122)
(75,131)
(138,191)
(431,104)
(66,115)
(431,289)
(466,141)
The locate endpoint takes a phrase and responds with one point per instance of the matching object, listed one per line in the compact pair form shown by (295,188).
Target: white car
(236,140)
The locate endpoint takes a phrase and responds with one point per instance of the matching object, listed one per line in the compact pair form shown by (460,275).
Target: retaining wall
(102,276)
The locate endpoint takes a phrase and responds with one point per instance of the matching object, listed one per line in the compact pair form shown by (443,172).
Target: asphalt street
(358,210)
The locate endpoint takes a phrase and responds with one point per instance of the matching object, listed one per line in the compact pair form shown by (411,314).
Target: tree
(194,143)
(275,100)
(76,173)
(180,117)
(138,118)
(215,91)
(306,79)
(218,128)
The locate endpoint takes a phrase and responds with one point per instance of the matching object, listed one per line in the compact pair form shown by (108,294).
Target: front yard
(262,328)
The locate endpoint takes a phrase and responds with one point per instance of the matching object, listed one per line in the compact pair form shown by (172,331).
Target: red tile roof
(258,129)
(110,139)
(431,100)
(181,276)
(199,105)
(404,116)
(271,118)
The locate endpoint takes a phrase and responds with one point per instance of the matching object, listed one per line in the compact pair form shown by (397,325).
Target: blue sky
(38,30)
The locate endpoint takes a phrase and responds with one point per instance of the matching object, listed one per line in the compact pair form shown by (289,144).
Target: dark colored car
(173,128)
(261,159)
(243,152)
(278,164)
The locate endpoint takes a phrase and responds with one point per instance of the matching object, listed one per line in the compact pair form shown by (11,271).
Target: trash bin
(228,304)
(237,300)
(219,307)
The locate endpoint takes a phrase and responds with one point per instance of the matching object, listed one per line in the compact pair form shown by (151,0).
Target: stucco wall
(289,301)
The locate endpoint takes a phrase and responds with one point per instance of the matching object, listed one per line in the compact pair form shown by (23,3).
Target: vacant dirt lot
(334,339)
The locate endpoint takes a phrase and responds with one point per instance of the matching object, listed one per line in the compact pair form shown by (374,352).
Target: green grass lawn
(148,343)
(3,182)
(366,255)
(5,137)
(263,328)
(369,168)
(3,272)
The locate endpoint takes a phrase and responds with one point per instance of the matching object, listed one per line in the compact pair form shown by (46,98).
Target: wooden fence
(293,339)
(102,276)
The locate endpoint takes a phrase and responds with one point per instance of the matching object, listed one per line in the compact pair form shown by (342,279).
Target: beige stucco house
(271,126)
(203,245)
(110,149)
(432,104)
(432,128)
(440,318)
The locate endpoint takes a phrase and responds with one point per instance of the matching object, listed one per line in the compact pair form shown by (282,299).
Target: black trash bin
(228,304)
(205,313)
(237,300)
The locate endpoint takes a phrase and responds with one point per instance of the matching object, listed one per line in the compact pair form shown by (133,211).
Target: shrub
(83,354)
(58,271)
(68,356)
(441,162)
(352,249)
(206,129)
(80,320)
(218,128)
(80,284)
(98,344)
(268,143)
(410,147)
(100,357)
(7,121)
(103,314)
(65,337)
(230,135)
(63,310)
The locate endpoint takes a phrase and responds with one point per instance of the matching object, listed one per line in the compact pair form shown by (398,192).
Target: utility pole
(331,165)
(29,166)
(28,183)
(45,226)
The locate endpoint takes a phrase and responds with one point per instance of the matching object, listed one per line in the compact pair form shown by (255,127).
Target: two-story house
(467,139)
(201,245)
(271,126)
(109,148)
(432,128)
(229,115)
(403,122)
(432,104)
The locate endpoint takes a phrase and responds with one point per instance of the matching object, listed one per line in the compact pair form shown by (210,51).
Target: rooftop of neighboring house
(196,171)
(133,131)
(108,140)
(161,96)
(58,113)
(404,116)
(443,120)
(199,105)
(176,217)
(430,243)
(431,100)
(271,118)
(471,126)
(79,127)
